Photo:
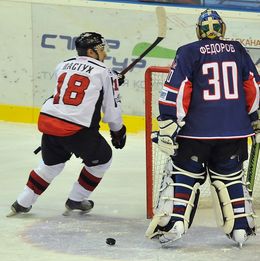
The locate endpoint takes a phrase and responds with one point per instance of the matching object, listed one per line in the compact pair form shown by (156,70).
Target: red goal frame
(148,130)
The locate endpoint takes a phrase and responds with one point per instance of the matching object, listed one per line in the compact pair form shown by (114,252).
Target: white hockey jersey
(84,88)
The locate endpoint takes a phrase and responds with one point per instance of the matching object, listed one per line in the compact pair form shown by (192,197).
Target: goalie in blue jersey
(208,108)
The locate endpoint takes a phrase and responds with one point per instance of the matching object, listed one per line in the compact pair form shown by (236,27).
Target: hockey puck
(110,241)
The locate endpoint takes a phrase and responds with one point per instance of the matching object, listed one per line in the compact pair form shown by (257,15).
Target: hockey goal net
(155,159)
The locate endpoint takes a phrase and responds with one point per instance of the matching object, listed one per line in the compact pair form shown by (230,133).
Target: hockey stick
(161,17)
(252,165)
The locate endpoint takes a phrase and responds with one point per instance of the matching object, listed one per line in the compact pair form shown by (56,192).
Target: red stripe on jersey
(170,87)
(250,91)
(187,96)
(167,103)
(56,127)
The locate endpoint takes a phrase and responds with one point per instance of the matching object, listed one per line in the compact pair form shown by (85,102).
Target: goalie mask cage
(155,159)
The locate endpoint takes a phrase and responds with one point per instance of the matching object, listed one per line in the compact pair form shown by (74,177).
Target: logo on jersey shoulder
(163,95)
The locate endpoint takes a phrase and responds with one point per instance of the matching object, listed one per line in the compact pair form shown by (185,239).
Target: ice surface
(119,212)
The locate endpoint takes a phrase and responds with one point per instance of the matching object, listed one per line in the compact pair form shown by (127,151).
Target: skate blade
(85,212)
(170,243)
(12,213)
(69,212)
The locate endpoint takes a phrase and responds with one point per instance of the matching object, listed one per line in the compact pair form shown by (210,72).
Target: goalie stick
(161,17)
(252,165)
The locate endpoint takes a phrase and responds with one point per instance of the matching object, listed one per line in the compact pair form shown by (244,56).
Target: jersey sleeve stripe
(251,89)
(183,99)
(167,103)
(169,87)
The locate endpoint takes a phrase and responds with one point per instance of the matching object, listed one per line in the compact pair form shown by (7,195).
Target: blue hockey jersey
(213,86)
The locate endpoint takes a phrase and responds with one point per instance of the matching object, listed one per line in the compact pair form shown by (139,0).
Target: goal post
(150,117)
(155,160)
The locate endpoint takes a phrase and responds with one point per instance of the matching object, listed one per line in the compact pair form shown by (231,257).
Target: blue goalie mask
(210,25)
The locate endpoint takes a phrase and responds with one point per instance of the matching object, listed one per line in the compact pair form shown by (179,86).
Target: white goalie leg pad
(180,227)
(222,206)
(165,203)
(222,202)
(163,212)
(163,209)
(191,204)
(249,209)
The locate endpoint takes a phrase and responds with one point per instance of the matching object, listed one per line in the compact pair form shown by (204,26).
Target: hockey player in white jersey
(69,121)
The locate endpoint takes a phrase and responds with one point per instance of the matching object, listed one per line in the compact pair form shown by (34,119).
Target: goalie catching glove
(167,134)
(118,138)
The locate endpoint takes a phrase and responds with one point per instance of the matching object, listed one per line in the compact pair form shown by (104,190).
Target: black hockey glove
(121,78)
(118,138)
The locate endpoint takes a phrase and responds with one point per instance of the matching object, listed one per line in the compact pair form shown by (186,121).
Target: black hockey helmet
(89,40)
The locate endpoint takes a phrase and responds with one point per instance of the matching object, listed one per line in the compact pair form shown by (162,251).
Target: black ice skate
(84,206)
(17,208)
